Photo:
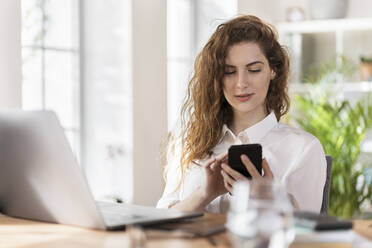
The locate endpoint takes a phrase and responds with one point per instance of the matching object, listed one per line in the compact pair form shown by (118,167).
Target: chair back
(327,185)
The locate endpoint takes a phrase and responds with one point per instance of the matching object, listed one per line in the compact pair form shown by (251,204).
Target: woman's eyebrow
(252,63)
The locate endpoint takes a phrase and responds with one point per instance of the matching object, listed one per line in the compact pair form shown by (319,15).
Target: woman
(237,95)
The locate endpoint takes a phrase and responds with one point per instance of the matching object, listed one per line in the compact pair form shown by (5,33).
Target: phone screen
(254,153)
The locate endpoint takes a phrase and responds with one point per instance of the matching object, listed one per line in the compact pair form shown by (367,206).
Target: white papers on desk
(307,235)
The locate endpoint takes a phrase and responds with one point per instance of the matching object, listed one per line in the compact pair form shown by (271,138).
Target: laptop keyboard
(115,214)
(121,214)
(112,219)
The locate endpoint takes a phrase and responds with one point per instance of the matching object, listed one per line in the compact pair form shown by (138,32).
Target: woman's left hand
(230,176)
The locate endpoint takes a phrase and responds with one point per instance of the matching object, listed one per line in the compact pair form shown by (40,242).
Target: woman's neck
(244,120)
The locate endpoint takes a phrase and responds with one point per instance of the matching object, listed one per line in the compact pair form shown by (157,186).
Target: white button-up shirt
(295,157)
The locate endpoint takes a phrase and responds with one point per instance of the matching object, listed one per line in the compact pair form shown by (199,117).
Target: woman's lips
(244,97)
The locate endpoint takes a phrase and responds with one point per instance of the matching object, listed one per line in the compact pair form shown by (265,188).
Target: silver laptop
(41,180)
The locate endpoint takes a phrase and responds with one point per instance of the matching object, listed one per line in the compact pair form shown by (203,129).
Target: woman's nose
(242,79)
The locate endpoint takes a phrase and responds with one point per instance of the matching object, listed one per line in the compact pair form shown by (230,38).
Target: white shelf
(291,35)
(321,26)
(346,87)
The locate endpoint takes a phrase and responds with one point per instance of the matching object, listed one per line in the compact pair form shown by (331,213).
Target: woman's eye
(229,72)
(258,70)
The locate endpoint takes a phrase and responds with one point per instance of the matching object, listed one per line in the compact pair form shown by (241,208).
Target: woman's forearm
(195,202)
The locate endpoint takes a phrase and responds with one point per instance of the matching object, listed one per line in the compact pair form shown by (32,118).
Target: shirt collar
(226,131)
(256,132)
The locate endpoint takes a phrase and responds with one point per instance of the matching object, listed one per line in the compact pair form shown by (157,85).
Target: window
(50,62)
(76,62)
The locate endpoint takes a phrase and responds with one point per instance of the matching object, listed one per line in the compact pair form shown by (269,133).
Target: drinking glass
(260,215)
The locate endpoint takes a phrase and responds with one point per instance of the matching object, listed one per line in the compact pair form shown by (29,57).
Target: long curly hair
(205,109)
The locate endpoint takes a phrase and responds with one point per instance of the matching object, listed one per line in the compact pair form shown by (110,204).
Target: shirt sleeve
(307,179)
(171,194)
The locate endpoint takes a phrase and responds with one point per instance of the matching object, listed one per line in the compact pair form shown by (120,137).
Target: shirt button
(244,139)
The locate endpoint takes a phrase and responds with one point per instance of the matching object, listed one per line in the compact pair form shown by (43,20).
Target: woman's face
(246,78)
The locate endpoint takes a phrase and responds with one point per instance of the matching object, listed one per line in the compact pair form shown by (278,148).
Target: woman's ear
(272,74)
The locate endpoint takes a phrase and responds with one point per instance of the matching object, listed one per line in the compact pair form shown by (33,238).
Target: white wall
(10,54)
(274,11)
(265,9)
(359,8)
(149,63)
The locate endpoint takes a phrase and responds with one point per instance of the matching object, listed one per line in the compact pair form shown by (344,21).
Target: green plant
(340,127)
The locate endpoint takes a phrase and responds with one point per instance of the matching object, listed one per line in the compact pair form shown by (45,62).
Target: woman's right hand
(214,183)
(212,188)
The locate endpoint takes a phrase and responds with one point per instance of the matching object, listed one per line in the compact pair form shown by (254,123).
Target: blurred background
(116,71)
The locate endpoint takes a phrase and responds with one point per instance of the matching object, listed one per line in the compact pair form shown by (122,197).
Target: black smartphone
(254,153)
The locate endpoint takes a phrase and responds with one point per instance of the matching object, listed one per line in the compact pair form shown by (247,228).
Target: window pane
(61,88)
(179,73)
(209,14)
(59,24)
(32,79)
(31,22)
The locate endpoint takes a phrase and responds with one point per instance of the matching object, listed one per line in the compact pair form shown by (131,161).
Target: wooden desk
(28,234)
